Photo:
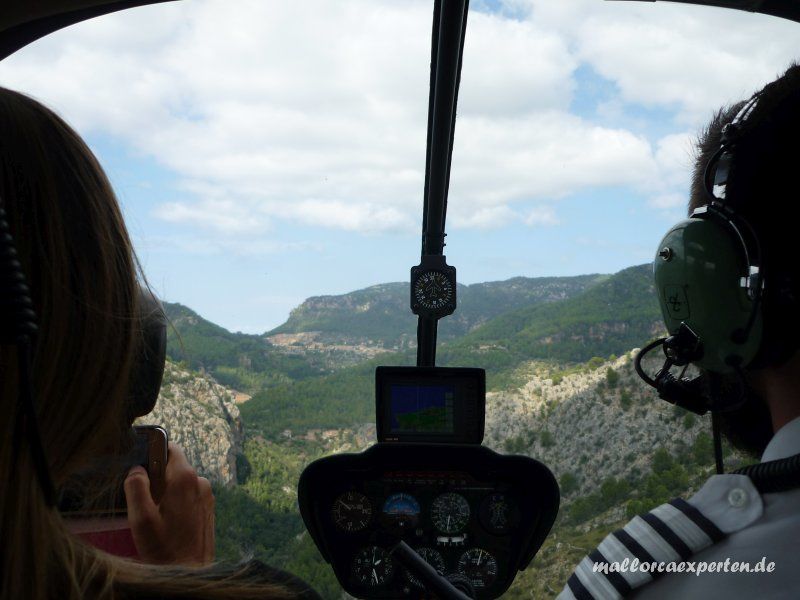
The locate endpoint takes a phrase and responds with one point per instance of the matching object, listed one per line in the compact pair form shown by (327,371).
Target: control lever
(436,584)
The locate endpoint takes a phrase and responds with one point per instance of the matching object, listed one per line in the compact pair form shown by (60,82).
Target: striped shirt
(726,520)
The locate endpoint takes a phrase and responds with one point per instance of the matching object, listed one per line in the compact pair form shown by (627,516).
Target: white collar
(785,442)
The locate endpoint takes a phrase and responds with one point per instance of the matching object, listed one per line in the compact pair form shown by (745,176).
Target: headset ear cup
(698,273)
(148,369)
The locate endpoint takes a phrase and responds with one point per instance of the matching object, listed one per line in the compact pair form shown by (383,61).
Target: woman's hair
(82,273)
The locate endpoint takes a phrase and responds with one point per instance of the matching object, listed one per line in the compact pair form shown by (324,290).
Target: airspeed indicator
(450,513)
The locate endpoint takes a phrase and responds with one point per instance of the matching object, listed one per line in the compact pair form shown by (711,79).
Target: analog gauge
(351,511)
(372,566)
(433,558)
(479,567)
(450,513)
(433,290)
(498,514)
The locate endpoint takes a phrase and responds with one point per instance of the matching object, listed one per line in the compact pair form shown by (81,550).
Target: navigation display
(422,408)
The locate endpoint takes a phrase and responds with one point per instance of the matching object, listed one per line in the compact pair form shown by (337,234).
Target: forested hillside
(328,333)
(561,389)
(238,360)
(380,314)
(617,314)
(610,316)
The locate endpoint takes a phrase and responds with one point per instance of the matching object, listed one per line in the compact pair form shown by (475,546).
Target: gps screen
(422,408)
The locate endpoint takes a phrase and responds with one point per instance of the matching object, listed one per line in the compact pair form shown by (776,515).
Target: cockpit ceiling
(787,9)
(25,21)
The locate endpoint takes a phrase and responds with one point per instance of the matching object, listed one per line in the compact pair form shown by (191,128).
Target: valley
(561,389)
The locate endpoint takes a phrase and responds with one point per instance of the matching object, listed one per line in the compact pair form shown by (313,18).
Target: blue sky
(276,153)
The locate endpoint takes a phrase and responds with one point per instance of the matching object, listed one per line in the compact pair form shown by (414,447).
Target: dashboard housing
(411,493)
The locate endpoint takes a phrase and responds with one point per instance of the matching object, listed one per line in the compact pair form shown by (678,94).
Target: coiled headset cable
(774,476)
(18,328)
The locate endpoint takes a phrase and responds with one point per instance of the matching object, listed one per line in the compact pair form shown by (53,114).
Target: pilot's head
(764,160)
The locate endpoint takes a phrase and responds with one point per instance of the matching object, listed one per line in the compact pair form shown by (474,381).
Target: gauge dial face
(478,566)
(401,505)
(372,566)
(433,558)
(351,511)
(498,514)
(450,513)
(433,290)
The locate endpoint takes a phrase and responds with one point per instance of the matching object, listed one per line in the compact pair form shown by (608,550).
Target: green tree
(547,439)
(612,378)
(568,484)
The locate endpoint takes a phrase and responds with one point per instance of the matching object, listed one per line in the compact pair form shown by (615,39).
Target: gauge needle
(375,575)
(345,505)
(480,555)
(448,521)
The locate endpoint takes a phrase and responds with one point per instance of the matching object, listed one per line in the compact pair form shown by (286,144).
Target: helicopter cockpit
(427,510)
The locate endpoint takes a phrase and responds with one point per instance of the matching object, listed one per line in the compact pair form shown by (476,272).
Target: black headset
(18,326)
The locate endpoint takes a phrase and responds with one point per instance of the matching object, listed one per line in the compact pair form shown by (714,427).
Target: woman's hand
(180,528)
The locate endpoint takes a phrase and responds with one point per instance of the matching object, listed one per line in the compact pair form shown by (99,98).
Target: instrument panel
(479,517)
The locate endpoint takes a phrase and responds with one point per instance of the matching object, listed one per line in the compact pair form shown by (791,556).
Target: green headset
(710,281)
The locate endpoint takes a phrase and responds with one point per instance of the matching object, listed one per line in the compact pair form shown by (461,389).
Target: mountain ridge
(381,312)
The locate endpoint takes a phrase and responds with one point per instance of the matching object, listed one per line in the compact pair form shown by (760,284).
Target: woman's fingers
(137,496)
(143,515)
(180,528)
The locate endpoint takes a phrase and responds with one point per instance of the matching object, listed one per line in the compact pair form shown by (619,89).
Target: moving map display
(422,408)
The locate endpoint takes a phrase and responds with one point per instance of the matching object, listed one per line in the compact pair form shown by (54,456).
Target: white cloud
(214,246)
(542,215)
(222,216)
(691,58)
(487,217)
(315,112)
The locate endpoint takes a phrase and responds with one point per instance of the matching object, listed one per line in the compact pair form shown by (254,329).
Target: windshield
(270,160)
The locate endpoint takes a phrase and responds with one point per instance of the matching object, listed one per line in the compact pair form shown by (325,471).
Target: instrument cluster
(456,523)
(471,513)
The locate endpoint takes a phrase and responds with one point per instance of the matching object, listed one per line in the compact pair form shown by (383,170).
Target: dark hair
(760,189)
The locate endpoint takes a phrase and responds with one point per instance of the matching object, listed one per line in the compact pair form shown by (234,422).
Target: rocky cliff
(202,417)
(596,422)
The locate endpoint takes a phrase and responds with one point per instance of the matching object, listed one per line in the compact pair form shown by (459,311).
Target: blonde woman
(83,277)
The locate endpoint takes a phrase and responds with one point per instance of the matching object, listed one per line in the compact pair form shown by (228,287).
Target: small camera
(443,405)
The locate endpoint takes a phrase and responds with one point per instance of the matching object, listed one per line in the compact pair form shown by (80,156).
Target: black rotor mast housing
(433,282)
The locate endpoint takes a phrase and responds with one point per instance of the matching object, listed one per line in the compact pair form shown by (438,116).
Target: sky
(274,151)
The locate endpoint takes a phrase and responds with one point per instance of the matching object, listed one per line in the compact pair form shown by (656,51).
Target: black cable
(18,328)
(775,475)
(637,361)
(31,423)
(717,435)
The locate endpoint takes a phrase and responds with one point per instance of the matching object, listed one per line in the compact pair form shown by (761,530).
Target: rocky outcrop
(202,417)
(588,423)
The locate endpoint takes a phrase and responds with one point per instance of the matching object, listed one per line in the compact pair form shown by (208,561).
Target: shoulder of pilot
(670,533)
(731,502)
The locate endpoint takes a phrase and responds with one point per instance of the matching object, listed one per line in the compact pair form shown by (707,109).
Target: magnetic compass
(433,287)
